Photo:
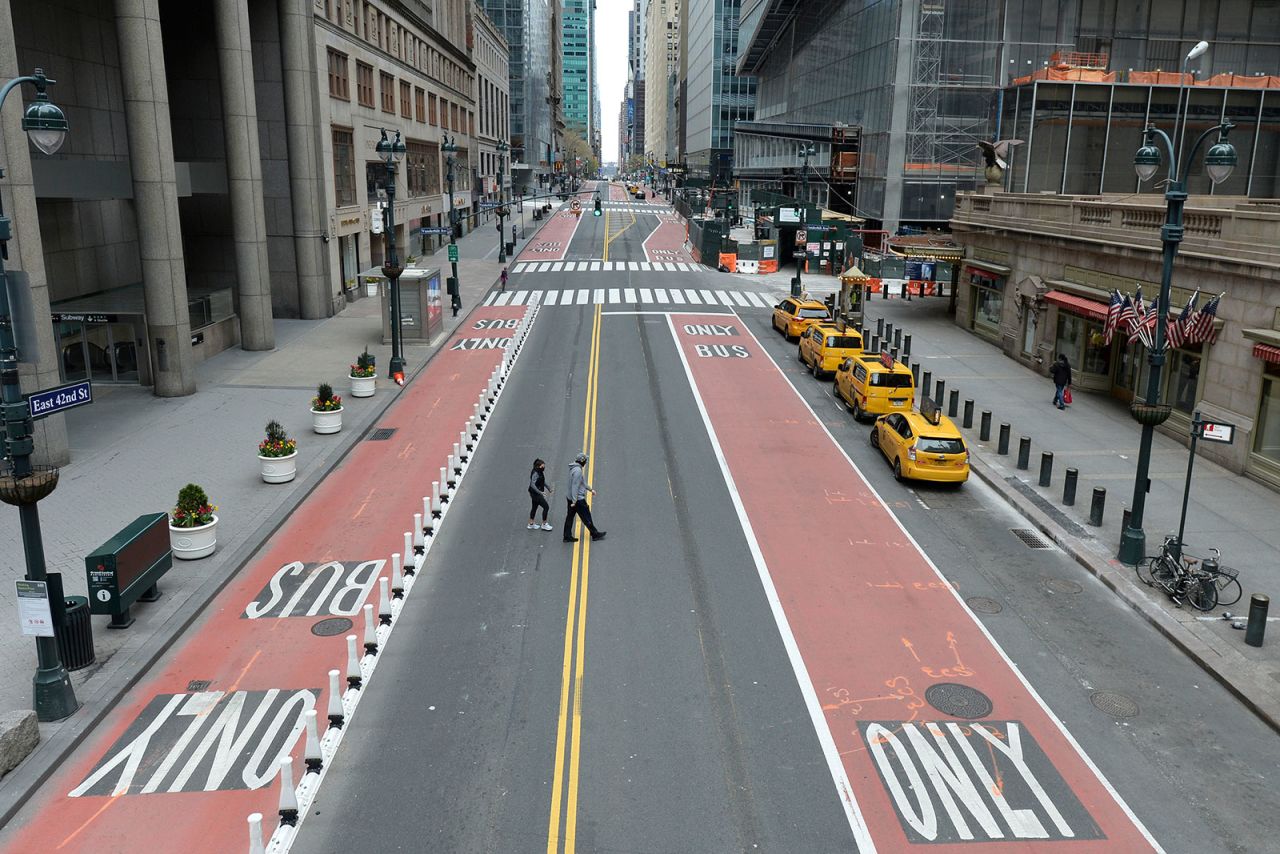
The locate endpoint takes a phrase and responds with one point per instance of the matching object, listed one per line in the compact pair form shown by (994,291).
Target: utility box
(126,568)
(420,317)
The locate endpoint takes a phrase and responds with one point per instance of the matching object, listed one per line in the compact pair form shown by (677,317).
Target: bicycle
(1198,581)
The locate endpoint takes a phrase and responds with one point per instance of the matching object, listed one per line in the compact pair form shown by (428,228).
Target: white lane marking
(756,300)
(688,268)
(660,295)
(489,299)
(630,294)
(684,313)
(853,814)
(582,297)
(503,298)
(677,297)
(552,296)
(724,298)
(646,295)
(544,266)
(535,297)
(646,266)
(597,296)
(671,268)
(693,297)
(634,265)
(557,266)
(740,299)
(707,297)
(519,297)
(520,268)
(955,594)
(595,266)
(613,295)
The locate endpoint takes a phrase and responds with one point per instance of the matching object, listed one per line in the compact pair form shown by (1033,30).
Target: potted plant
(364,378)
(193,524)
(326,410)
(370,286)
(278,455)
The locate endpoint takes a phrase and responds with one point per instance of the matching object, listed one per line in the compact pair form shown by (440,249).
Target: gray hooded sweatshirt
(578,485)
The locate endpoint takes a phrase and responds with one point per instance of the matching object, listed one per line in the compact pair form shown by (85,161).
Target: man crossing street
(576,498)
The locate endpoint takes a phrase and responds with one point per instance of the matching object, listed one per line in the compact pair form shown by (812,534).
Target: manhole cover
(1061,585)
(1114,704)
(959,701)
(331,626)
(196,685)
(382,434)
(1031,539)
(984,605)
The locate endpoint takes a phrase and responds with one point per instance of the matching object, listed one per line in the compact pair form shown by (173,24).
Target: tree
(576,147)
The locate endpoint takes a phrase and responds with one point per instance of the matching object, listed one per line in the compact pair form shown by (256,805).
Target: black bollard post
(984,432)
(1069,488)
(875,343)
(942,392)
(1125,513)
(888,333)
(953,403)
(1002,446)
(1097,506)
(1024,452)
(968,414)
(897,337)
(879,326)
(926,383)
(893,353)
(1046,468)
(915,372)
(1258,605)
(906,346)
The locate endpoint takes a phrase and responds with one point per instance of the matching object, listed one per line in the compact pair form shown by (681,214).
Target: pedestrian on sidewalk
(504,279)
(577,501)
(538,493)
(1061,374)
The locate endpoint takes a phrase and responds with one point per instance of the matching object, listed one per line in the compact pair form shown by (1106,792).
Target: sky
(611,67)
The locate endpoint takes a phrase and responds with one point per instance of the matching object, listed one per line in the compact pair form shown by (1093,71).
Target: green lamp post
(502,200)
(21,483)
(392,152)
(1219,160)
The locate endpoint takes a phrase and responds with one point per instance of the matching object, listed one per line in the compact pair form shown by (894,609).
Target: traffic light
(596,212)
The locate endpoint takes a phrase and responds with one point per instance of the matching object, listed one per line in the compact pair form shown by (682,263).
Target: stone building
(1037,277)
(219,170)
(493,100)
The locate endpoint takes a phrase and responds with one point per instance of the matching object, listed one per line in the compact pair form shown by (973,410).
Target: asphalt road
(672,718)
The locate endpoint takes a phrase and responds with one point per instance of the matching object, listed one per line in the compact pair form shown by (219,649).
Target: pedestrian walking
(538,494)
(1061,374)
(577,501)
(504,278)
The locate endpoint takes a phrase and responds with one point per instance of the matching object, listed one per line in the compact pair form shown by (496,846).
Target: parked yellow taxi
(874,385)
(793,316)
(823,346)
(922,445)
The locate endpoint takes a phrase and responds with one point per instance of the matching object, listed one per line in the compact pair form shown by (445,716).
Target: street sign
(434,229)
(69,396)
(453,252)
(34,613)
(488,206)
(1212,431)
(575,205)
(801,237)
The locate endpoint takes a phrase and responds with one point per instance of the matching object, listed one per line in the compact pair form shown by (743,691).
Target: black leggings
(538,500)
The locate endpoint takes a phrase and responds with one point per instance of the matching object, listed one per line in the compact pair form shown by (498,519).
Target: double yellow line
(564,794)
(609,238)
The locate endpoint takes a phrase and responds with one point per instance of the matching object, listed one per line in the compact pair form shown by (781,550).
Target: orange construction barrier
(729,261)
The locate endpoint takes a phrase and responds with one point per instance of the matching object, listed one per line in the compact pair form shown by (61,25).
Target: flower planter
(279,469)
(370,288)
(327,422)
(1153,414)
(363,386)
(193,543)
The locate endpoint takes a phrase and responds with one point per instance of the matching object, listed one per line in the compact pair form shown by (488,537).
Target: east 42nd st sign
(60,399)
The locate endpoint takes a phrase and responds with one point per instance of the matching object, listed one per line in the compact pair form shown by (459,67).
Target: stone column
(306,178)
(155,195)
(38,365)
(244,173)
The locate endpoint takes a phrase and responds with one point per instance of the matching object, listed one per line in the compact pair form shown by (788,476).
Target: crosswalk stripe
(755,300)
(557,266)
(677,297)
(544,266)
(595,265)
(693,297)
(489,299)
(646,295)
(582,297)
(519,297)
(535,297)
(707,297)
(551,298)
(724,298)
(630,294)
(646,266)
(520,268)
(597,296)
(660,295)
(503,298)
(613,295)
(634,265)
(670,267)
(686,268)
(739,299)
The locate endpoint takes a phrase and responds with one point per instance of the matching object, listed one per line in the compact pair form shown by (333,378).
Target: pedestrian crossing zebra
(640,209)
(605,267)
(632,296)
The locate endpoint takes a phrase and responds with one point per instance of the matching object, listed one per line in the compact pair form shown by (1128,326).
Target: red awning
(1080,305)
(1266,352)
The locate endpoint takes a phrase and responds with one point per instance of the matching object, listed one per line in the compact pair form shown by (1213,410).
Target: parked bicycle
(1202,582)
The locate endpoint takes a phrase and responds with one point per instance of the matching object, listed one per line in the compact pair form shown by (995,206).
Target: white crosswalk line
(684,267)
(660,295)
(613,296)
(503,298)
(755,300)
(595,265)
(739,299)
(597,296)
(551,298)
(677,297)
(669,267)
(634,265)
(646,266)
(724,298)
(582,297)
(557,266)
(489,299)
(630,294)
(646,296)
(544,266)
(535,297)
(519,268)
(693,296)
(519,297)
(707,297)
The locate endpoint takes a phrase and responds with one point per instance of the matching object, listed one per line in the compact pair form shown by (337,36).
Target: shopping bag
(1066,396)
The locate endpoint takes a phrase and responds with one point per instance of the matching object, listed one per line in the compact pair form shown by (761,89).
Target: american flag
(1127,316)
(1201,329)
(1150,320)
(1177,328)
(1173,332)
(1113,316)
(1138,326)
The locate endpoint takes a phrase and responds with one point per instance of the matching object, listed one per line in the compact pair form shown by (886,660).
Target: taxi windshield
(936,445)
(891,380)
(811,312)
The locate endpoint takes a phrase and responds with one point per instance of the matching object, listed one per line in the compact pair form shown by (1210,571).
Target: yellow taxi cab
(922,445)
(823,346)
(874,385)
(794,315)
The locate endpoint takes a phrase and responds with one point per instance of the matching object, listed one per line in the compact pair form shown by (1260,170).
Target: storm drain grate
(332,626)
(382,434)
(196,685)
(1061,585)
(1115,704)
(1031,539)
(984,605)
(959,701)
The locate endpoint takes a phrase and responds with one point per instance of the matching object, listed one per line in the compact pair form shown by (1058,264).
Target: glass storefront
(98,347)
(988,302)
(1182,384)
(1080,339)
(1266,433)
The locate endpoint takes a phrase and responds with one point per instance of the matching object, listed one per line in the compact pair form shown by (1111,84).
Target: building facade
(576,27)
(531,28)
(493,100)
(662,60)
(715,97)
(1037,277)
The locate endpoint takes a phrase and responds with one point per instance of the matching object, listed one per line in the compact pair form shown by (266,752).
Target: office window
(420,104)
(344,178)
(431,110)
(338,75)
(406,108)
(471,122)
(364,84)
(453,118)
(423,168)
(388,86)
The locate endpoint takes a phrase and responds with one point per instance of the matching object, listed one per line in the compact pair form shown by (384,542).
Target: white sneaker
(546,526)
(532,527)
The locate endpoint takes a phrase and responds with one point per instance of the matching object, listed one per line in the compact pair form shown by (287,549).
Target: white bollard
(451,466)
(336,715)
(444,485)
(288,797)
(419,544)
(370,632)
(462,440)
(435,498)
(311,753)
(408,547)
(397,578)
(384,602)
(354,679)
(255,834)
(457,459)
(428,526)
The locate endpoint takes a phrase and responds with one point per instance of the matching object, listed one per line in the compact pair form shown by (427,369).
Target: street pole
(805,150)
(391,152)
(456,297)
(53,696)
(502,237)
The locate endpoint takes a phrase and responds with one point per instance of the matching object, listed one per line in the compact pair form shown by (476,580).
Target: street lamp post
(806,151)
(502,237)
(1219,160)
(450,148)
(24,485)
(392,152)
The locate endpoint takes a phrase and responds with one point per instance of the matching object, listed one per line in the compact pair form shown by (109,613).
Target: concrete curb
(19,785)
(1226,667)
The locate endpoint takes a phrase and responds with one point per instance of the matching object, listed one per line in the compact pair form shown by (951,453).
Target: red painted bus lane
(939,738)
(551,242)
(194,748)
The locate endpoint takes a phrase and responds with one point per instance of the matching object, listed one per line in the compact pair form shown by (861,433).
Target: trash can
(75,635)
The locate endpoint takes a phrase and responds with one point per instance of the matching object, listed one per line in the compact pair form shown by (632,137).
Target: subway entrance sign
(126,568)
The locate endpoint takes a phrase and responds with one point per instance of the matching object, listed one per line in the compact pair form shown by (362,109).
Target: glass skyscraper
(715,96)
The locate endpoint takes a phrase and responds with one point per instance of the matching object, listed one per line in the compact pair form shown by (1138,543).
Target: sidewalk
(1097,436)
(131,452)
